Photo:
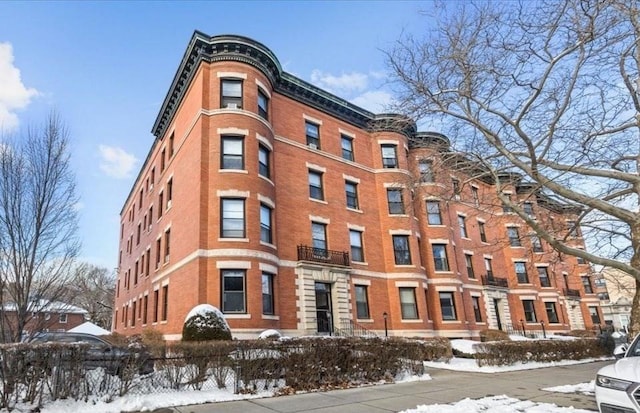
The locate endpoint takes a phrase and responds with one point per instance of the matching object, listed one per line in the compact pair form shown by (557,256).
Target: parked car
(101,353)
(618,385)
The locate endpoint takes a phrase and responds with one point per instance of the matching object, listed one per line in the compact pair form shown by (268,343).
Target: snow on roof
(45,306)
(89,328)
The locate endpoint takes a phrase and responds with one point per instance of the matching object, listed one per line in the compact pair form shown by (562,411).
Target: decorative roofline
(245,50)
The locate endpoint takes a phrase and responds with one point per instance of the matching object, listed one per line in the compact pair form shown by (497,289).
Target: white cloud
(376,101)
(116,162)
(343,84)
(14,94)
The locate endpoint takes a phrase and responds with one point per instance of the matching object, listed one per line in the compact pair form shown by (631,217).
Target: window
(433,213)
(233,298)
(572,229)
(488,267)
(505,207)
(315,185)
(468,259)
(351,191)
(169,192)
(135,273)
(483,234)
(586,282)
(401,250)
(142,267)
(232,153)
(163,162)
(232,218)
(319,239)
(475,196)
(536,244)
(148,263)
(140,199)
(463,226)
(543,275)
(167,243)
(447,306)
(138,234)
(529,311)
(347,147)
(156,303)
(552,314)
(313,135)
(165,302)
(62,318)
(580,260)
(145,307)
(514,237)
(394,199)
(521,273)
(231,91)
(362,302)
(456,189)
(355,238)
(153,177)
(158,252)
(476,309)
(265,224)
(133,314)
(160,204)
(426,170)
(264,167)
(171,148)
(440,261)
(263,105)
(595,317)
(150,217)
(528,208)
(408,307)
(268,306)
(389,156)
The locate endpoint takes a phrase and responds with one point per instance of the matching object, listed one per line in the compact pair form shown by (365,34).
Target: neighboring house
(290,208)
(616,303)
(48,316)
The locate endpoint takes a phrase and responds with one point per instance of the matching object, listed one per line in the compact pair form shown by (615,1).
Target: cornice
(211,49)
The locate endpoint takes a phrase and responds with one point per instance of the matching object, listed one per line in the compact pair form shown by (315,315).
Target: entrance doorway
(323,308)
(496,309)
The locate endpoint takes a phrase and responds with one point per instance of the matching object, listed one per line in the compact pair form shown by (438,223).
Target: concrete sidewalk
(445,387)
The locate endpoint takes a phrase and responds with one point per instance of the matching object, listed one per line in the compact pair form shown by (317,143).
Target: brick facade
(194,215)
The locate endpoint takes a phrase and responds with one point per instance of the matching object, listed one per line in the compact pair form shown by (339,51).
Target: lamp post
(524,331)
(386,332)
(544,333)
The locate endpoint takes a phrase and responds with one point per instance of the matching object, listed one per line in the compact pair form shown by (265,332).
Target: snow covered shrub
(205,322)
(270,335)
(493,335)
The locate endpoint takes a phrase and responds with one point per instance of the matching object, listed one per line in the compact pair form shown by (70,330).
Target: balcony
(568,292)
(329,257)
(494,281)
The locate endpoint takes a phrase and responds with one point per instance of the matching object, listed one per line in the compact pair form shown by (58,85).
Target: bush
(205,322)
(494,335)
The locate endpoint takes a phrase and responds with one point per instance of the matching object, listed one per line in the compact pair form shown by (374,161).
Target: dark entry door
(323,308)
(496,309)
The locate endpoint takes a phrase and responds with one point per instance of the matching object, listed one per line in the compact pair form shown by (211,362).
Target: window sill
(270,317)
(237,316)
(268,244)
(416,321)
(399,215)
(443,272)
(233,239)
(233,171)
(450,321)
(266,179)
(364,320)
(405,266)
(359,262)
(320,201)
(359,211)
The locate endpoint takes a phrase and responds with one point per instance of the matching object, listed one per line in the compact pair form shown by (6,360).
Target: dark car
(101,353)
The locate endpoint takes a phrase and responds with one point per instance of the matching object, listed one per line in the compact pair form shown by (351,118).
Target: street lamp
(386,332)
(524,331)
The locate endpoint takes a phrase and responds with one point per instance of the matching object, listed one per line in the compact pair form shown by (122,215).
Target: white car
(618,385)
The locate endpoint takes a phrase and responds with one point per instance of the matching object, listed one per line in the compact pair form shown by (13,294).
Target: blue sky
(106,67)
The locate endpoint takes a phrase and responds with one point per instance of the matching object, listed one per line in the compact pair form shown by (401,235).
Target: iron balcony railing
(307,253)
(571,293)
(494,281)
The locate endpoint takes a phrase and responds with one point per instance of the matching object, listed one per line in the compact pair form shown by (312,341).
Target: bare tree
(549,90)
(93,289)
(38,224)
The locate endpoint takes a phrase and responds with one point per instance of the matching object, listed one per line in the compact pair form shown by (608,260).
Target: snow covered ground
(495,404)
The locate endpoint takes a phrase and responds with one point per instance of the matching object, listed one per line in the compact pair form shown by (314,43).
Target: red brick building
(289,208)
